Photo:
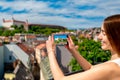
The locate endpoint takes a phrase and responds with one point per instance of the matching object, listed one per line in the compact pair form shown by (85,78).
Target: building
(14,62)
(1,62)
(8,23)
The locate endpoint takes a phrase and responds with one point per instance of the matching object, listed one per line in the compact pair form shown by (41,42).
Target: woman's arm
(100,72)
(56,71)
(81,60)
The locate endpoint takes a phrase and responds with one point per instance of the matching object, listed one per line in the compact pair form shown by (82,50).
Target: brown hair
(112,29)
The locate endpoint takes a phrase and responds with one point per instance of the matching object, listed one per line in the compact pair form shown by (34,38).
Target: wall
(12,22)
(18,23)
(7,24)
(1,62)
(8,53)
(16,53)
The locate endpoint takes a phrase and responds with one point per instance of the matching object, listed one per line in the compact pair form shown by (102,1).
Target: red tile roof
(1,44)
(30,36)
(26,48)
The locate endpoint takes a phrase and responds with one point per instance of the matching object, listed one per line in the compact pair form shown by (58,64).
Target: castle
(8,23)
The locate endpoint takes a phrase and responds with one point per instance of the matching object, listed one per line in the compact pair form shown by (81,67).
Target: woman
(110,40)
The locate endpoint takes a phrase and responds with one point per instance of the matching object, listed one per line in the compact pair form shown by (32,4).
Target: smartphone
(60,39)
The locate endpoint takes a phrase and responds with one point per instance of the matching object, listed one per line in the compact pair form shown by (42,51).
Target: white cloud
(101,8)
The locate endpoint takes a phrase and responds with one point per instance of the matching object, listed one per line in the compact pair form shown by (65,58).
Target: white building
(13,52)
(8,23)
(9,54)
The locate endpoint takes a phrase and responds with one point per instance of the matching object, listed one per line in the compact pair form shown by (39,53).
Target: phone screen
(60,39)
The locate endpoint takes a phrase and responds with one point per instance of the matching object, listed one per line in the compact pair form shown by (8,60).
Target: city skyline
(72,14)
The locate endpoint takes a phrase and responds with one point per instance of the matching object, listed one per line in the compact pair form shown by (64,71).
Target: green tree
(14,26)
(6,33)
(1,32)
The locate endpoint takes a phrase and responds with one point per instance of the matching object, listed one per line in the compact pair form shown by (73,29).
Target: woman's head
(111,27)
(105,43)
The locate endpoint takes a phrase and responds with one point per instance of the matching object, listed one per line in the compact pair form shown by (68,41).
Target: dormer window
(10,57)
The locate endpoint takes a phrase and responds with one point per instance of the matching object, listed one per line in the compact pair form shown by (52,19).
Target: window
(10,57)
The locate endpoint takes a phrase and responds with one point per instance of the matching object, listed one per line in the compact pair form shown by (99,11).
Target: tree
(21,27)
(14,26)
(1,31)
(6,33)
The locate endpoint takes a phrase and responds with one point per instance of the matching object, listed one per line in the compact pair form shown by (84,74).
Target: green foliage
(1,31)
(7,33)
(14,26)
(75,66)
(74,38)
(21,27)
(42,30)
(90,50)
(33,29)
(30,31)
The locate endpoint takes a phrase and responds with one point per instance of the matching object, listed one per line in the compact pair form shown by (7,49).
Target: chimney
(3,20)
(26,21)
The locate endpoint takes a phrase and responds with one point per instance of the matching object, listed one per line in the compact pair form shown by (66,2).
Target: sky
(63,36)
(72,14)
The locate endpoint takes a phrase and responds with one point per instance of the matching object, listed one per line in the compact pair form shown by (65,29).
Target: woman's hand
(70,44)
(50,44)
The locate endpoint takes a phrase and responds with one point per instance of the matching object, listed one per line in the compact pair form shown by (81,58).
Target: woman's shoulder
(108,68)
(117,61)
(107,65)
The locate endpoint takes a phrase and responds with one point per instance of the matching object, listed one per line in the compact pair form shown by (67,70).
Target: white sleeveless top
(117,61)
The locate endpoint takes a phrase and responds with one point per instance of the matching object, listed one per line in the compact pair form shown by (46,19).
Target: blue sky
(63,36)
(73,14)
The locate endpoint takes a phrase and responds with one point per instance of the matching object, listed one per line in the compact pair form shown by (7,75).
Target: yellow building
(9,76)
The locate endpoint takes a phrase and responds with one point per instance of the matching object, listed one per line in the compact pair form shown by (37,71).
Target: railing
(67,74)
